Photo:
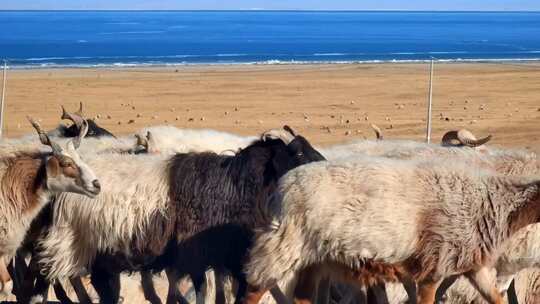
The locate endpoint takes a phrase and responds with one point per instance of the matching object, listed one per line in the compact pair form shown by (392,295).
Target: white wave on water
(228,55)
(132,33)
(56,58)
(263,62)
(453,52)
(332,54)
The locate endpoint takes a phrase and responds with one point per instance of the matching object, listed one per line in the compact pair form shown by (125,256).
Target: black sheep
(214,201)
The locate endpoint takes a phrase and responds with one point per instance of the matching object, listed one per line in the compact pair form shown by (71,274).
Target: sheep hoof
(5,290)
(36,299)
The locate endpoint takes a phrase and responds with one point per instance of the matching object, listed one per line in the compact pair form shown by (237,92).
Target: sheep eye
(67,164)
(300,154)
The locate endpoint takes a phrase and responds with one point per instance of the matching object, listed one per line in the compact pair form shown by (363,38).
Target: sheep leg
(27,285)
(306,285)
(446,283)
(173,295)
(347,298)
(253,295)
(410,288)
(377,294)
(426,291)
(199,284)
(80,291)
(41,290)
(323,291)
(208,289)
(363,295)
(241,281)
(107,286)
(279,296)
(149,291)
(17,270)
(5,278)
(61,294)
(219,281)
(482,281)
(512,295)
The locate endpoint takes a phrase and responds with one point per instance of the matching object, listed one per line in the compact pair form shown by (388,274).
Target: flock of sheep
(370,221)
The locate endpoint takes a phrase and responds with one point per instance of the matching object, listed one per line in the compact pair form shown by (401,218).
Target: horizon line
(269,10)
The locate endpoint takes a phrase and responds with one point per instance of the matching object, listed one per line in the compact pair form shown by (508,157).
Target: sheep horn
(464,138)
(469,140)
(377,131)
(80,111)
(141,141)
(449,137)
(44,138)
(83,130)
(289,129)
(281,134)
(76,118)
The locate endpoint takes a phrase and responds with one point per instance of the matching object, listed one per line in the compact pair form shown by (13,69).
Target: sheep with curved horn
(77,118)
(419,219)
(408,149)
(29,181)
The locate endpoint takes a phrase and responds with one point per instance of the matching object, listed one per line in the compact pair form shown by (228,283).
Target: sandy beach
(327,103)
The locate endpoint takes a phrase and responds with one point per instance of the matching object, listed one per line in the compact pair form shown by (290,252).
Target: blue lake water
(90,38)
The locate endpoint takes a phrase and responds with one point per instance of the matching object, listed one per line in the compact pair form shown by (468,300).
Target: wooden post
(2,100)
(428,131)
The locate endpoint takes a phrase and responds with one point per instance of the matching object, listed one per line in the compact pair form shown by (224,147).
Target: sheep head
(65,170)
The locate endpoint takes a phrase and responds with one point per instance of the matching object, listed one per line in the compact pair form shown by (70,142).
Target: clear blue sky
(528,5)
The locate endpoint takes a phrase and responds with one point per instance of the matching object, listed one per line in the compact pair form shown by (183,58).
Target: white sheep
(413,219)
(170,140)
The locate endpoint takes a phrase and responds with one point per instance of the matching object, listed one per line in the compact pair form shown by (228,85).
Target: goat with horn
(77,118)
(30,180)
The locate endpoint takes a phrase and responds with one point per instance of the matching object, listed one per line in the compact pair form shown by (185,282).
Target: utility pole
(430,97)
(2,100)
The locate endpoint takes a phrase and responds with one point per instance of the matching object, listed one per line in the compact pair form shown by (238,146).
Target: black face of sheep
(288,150)
(93,130)
(298,152)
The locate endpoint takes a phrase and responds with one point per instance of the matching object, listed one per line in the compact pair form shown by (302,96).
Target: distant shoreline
(261,64)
